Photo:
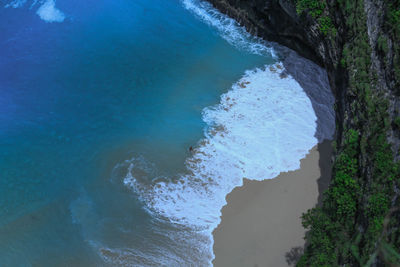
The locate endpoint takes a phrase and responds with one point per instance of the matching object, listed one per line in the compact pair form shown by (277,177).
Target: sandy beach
(261,224)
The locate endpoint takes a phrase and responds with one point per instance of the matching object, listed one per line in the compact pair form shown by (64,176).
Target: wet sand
(261,224)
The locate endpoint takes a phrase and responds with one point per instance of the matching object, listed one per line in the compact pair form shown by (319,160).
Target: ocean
(125,123)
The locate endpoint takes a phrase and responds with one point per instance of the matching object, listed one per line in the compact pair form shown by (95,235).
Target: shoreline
(261,224)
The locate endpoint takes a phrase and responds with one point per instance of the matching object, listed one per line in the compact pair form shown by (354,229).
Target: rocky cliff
(357,42)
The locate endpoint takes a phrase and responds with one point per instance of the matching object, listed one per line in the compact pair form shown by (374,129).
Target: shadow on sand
(314,81)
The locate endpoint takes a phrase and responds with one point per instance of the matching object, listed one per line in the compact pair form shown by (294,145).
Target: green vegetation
(357,223)
(393,27)
(397,122)
(383,44)
(318,10)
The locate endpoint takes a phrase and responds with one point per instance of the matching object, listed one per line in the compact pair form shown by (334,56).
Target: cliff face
(278,21)
(356,41)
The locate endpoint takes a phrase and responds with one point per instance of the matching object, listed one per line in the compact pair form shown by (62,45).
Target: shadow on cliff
(325,164)
(314,81)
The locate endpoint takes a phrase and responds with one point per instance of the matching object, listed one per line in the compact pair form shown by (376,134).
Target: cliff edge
(357,42)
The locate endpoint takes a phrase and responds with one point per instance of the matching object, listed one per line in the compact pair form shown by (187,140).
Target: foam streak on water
(47,11)
(263,126)
(16,3)
(228,28)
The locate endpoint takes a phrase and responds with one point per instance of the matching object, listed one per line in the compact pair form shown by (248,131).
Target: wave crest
(229,28)
(263,126)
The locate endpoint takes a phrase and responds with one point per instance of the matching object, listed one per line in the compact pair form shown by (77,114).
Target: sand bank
(261,224)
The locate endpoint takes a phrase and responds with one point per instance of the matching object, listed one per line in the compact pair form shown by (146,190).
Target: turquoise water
(106,82)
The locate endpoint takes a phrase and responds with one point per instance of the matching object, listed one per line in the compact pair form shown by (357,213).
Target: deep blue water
(115,79)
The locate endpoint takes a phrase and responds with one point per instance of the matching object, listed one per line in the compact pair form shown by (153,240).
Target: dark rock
(278,21)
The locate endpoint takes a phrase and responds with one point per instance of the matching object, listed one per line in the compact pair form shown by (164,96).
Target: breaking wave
(263,126)
(229,28)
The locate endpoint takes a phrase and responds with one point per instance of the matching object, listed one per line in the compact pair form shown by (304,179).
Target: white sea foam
(228,28)
(263,126)
(49,13)
(16,3)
